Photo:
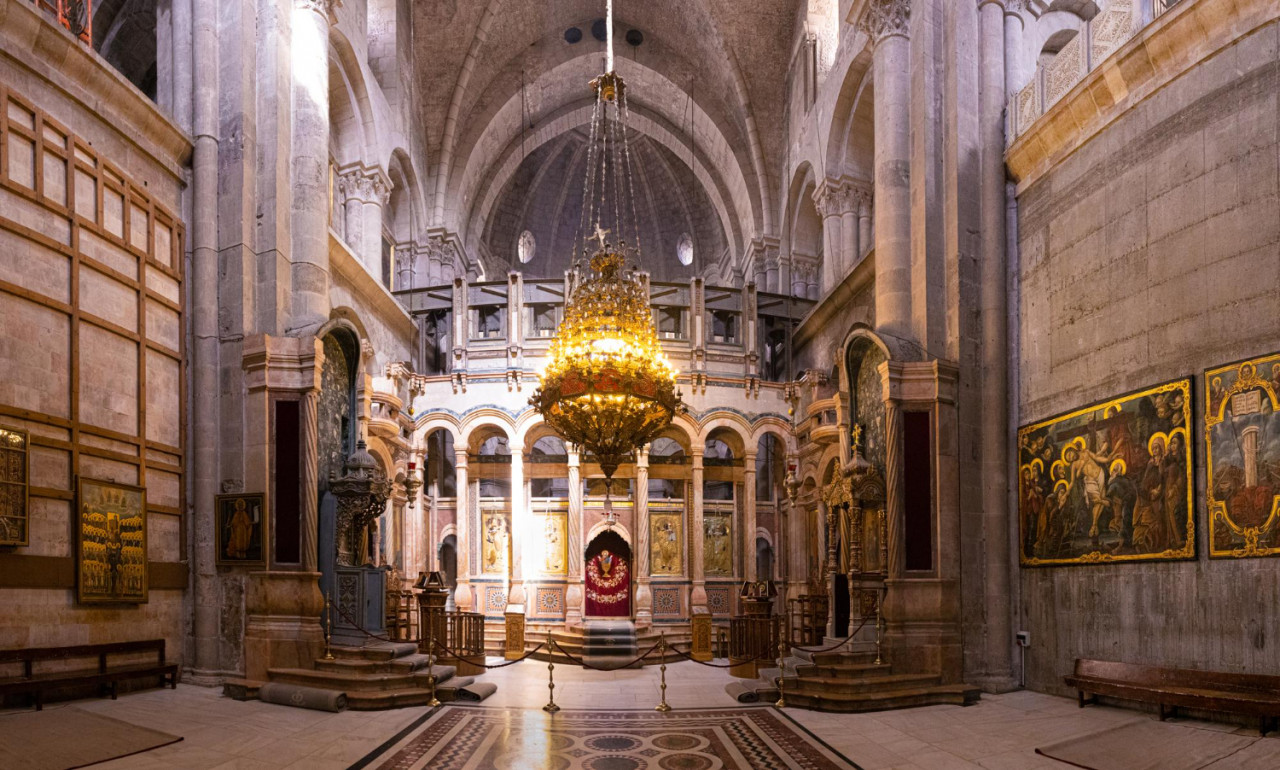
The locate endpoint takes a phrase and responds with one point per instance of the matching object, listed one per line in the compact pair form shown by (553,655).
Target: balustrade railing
(458,638)
(807,619)
(1094,42)
(753,643)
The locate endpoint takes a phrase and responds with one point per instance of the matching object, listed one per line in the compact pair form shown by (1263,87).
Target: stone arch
(777,427)
(429,422)
(730,425)
(480,419)
(600,526)
(495,151)
(850,148)
(802,234)
(352,134)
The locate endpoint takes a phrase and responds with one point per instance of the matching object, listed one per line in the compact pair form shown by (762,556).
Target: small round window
(526,247)
(684,250)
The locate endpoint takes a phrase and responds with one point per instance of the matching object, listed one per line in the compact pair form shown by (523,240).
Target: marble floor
(999,733)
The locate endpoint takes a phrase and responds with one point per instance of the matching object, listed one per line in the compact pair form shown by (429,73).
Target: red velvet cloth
(608,586)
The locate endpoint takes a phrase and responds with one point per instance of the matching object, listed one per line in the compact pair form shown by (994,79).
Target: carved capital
(370,185)
(326,8)
(886,18)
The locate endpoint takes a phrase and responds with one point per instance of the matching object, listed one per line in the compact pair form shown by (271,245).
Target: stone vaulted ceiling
(723,61)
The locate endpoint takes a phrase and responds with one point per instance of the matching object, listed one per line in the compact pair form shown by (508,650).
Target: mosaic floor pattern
(470,738)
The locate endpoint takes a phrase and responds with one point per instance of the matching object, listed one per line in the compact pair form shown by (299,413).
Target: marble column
(522,535)
(573,597)
(309,48)
(749,517)
(895,511)
(698,597)
(886,23)
(309,449)
(462,595)
(644,597)
(993,298)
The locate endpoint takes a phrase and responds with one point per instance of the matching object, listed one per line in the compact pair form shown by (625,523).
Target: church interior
(621,384)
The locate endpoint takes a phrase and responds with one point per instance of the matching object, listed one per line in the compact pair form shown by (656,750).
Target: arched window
(526,247)
(684,250)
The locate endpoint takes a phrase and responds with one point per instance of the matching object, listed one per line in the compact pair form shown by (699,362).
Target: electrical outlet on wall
(1024,638)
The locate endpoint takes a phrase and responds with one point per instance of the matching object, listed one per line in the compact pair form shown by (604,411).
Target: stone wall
(92,339)
(1150,253)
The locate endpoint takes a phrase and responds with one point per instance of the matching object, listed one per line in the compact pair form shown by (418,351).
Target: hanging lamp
(607,386)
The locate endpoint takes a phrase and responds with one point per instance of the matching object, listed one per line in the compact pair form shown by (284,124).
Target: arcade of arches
(975,306)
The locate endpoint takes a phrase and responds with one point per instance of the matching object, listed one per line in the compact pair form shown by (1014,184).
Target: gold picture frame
(1110,482)
(15,486)
(241,521)
(1242,457)
(111,543)
(666,543)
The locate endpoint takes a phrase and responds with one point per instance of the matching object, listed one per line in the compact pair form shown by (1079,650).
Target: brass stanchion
(551,706)
(663,706)
(431,670)
(782,675)
(328,628)
(878,634)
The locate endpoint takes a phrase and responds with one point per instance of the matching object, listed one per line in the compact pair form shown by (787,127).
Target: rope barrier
(593,667)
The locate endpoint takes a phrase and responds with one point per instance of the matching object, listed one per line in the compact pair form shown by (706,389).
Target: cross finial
(599,235)
(857,436)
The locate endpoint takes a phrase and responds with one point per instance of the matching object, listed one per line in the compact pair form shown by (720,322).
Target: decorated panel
(666,555)
(1109,482)
(1242,439)
(717,543)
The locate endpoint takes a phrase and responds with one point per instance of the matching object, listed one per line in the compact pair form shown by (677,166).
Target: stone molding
(884,19)
(843,196)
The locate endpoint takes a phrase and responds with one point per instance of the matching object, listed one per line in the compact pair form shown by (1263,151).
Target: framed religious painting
(242,529)
(666,543)
(1242,447)
(1109,482)
(717,543)
(15,500)
(111,543)
(555,543)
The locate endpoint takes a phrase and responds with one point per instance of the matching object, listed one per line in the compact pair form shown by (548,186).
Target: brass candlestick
(551,706)
(328,628)
(663,706)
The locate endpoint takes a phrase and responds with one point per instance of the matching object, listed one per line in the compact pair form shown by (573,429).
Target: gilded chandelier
(607,387)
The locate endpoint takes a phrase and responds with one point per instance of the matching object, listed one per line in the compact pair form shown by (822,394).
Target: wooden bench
(106,675)
(1254,695)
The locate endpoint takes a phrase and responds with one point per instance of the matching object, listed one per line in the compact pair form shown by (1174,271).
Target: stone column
(886,23)
(522,534)
(827,201)
(367,191)
(827,520)
(310,215)
(749,516)
(573,598)
(1249,445)
(865,233)
(993,298)
(895,512)
(849,253)
(462,596)
(644,597)
(698,598)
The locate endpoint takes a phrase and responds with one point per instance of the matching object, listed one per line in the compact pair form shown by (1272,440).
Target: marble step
(417,696)
(843,670)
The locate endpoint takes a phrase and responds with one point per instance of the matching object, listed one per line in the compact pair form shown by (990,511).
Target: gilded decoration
(496,545)
(1242,440)
(111,540)
(14,488)
(555,544)
(717,543)
(666,554)
(242,529)
(1111,482)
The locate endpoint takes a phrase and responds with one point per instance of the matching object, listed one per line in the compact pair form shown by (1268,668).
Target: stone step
(378,651)
(843,670)
(358,682)
(404,665)
(870,684)
(417,696)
